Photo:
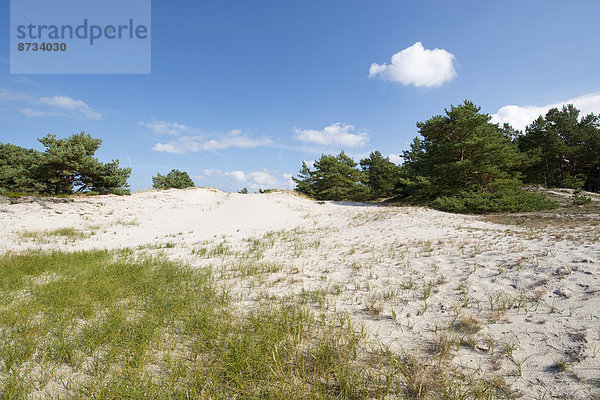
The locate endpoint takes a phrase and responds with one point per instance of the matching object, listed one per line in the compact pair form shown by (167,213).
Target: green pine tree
(380,175)
(175,179)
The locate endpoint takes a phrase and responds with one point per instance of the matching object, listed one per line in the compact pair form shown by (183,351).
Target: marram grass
(109,325)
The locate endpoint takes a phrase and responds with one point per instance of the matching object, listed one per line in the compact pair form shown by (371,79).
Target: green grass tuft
(106,325)
(68,234)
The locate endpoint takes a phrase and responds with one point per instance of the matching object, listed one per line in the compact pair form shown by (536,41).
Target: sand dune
(504,301)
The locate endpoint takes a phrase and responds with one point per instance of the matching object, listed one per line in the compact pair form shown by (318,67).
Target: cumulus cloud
(212,172)
(337,134)
(171,147)
(192,144)
(62,106)
(166,128)
(239,176)
(263,179)
(288,182)
(309,163)
(417,66)
(521,116)
(395,158)
(254,180)
(235,140)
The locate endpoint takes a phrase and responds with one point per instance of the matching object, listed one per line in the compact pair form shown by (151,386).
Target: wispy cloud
(337,134)
(166,128)
(7,95)
(62,106)
(196,143)
(30,112)
(255,180)
(77,107)
(23,80)
(521,116)
(417,66)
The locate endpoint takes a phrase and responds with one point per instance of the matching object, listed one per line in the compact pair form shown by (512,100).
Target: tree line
(68,166)
(461,162)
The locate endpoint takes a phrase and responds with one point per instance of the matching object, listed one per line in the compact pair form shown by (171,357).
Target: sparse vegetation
(561,365)
(580,199)
(116,328)
(68,233)
(468,325)
(441,313)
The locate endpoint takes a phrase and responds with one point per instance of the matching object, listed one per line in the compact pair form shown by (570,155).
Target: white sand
(536,294)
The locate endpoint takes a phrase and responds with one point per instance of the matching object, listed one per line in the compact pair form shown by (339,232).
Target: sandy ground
(507,302)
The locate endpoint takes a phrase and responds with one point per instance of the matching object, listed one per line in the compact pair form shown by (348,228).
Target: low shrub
(580,199)
(514,200)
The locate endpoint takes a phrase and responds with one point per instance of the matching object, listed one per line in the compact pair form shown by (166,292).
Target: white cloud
(288,183)
(172,147)
(417,66)
(395,158)
(166,128)
(187,144)
(37,113)
(521,116)
(263,179)
(234,141)
(309,163)
(61,106)
(254,180)
(77,107)
(11,95)
(195,143)
(336,134)
(212,172)
(239,176)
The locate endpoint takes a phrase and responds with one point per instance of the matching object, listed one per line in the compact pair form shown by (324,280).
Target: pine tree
(70,166)
(464,151)
(464,163)
(21,169)
(563,149)
(380,175)
(305,181)
(334,178)
(175,179)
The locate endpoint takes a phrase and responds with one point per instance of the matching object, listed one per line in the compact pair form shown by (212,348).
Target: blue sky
(242,91)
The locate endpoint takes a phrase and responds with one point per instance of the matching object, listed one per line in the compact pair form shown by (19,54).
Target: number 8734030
(44,46)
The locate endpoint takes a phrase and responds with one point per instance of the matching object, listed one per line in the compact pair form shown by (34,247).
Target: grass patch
(105,325)
(248,269)
(468,325)
(68,234)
